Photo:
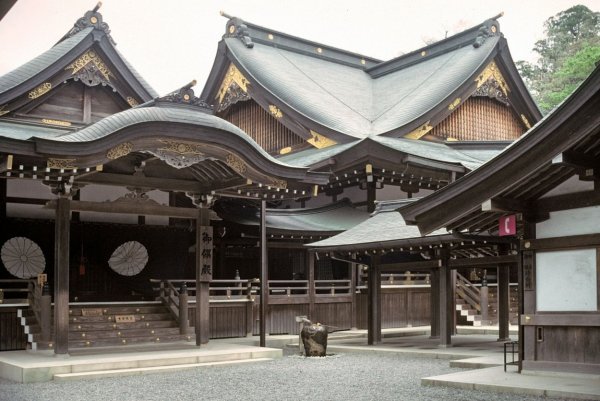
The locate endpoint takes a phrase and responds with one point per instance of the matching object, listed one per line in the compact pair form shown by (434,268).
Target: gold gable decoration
(61,163)
(40,90)
(320,141)
(90,57)
(120,150)
(236,163)
(492,72)
(233,76)
(419,132)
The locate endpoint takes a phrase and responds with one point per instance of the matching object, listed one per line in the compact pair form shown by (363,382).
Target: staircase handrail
(468,292)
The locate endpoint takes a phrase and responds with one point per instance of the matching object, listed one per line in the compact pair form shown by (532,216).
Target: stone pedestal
(314,337)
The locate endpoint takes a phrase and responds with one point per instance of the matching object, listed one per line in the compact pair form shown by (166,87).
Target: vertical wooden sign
(206,250)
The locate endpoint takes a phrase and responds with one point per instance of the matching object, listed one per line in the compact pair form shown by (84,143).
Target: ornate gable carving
(234,88)
(90,69)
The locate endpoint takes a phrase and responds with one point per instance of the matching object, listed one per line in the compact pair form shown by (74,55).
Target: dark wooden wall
(12,336)
(269,133)
(480,119)
(404,307)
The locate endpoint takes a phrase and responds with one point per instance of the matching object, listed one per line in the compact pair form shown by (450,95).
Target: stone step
(151,369)
(116,341)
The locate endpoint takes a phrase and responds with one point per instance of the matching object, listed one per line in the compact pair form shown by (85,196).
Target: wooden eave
(523,172)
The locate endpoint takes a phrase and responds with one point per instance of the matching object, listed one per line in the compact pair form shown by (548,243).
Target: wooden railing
(468,292)
(14,290)
(332,287)
(391,280)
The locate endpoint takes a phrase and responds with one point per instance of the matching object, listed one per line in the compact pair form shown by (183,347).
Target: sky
(172,42)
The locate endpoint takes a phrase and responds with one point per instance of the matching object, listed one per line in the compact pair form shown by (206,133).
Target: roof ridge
(249,33)
(475,36)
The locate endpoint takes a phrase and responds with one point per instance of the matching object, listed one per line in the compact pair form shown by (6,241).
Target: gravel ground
(336,377)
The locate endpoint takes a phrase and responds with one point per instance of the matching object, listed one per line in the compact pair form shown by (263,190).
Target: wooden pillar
(204,253)
(434,278)
(527,340)
(310,267)
(446,302)
(503,274)
(3,195)
(371,196)
(353,273)
(264,274)
(62,231)
(374,295)
(183,310)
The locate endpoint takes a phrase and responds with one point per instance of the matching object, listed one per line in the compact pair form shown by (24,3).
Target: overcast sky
(172,42)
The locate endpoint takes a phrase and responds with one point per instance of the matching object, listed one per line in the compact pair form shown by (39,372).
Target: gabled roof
(56,65)
(566,142)
(330,219)
(384,229)
(347,96)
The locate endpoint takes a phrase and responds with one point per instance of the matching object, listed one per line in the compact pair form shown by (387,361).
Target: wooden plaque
(205,249)
(91,312)
(125,319)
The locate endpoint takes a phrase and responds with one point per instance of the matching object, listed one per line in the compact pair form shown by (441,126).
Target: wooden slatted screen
(269,133)
(480,119)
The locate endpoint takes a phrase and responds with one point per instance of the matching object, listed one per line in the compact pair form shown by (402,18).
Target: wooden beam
(561,319)
(572,241)
(576,160)
(163,184)
(506,205)
(412,266)
(567,201)
(61,276)
(485,261)
(138,208)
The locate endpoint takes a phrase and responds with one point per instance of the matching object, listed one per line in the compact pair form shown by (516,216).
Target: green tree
(566,56)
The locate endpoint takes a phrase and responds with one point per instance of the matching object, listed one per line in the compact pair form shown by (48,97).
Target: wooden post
(183,309)
(434,279)
(484,299)
(374,295)
(249,310)
(264,274)
(3,192)
(371,196)
(353,270)
(311,285)
(61,275)
(503,302)
(204,251)
(46,312)
(446,303)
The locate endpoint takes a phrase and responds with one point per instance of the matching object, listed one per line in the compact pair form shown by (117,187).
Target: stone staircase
(101,325)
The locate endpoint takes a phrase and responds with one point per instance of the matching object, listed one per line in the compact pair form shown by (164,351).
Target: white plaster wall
(570,222)
(572,185)
(552,270)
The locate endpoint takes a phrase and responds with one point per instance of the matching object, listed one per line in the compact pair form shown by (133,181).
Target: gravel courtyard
(336,377)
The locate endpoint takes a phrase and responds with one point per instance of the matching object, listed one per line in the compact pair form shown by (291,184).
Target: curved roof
(385,228)
(329,219)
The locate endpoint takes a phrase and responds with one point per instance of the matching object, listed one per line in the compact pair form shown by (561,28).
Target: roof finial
(185,96)
(489,28)
(92,19)
(236,28)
